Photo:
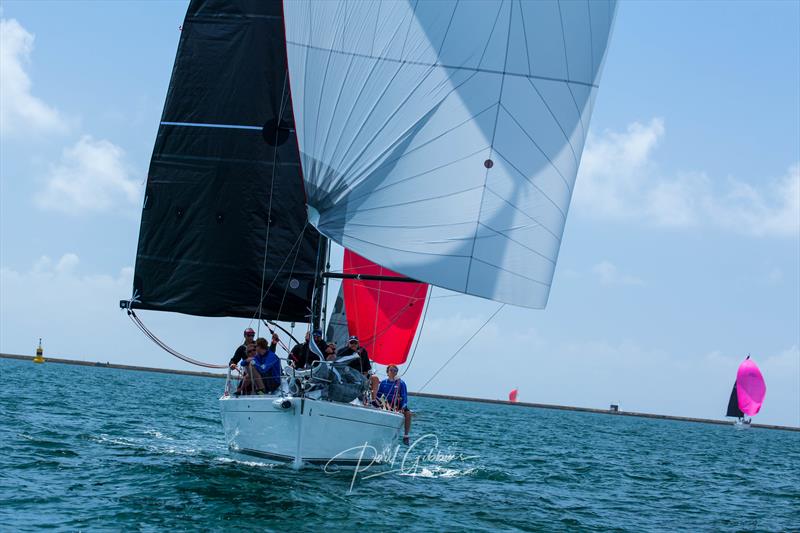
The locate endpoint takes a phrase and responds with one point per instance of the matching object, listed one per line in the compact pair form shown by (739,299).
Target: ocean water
(98,449)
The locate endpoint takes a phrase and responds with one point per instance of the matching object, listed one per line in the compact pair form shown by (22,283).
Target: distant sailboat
(748,393)
(512,396)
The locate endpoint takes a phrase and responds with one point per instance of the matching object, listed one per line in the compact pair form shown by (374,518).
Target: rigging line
(291,271)
(272,332)
(149,334)
(271,189)
(419,333)
(376,335)
(290,333)
(280,269)
(462,347)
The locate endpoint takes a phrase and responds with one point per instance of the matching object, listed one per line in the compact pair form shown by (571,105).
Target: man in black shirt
(361,363)
(302,356)
(241,351)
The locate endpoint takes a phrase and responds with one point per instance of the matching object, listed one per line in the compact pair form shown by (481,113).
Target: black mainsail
(733,404)
(224,226)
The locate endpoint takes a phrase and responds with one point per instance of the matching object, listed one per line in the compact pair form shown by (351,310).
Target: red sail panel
(512,396)
(384,315)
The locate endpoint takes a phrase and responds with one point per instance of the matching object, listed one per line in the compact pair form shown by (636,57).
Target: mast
(327,268)
(319,284)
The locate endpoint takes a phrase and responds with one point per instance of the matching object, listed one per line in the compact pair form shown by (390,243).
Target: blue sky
(681,253)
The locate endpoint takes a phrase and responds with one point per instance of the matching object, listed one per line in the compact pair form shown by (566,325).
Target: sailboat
(747,395)
(512,396)
(436,142)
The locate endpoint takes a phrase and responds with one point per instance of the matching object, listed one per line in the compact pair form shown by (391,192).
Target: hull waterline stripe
(360,422)
(289,459)
(200,125)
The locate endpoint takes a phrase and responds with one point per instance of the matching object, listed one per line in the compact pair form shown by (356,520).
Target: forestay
(442,139)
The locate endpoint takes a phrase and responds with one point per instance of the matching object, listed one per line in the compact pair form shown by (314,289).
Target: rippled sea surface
(88,448)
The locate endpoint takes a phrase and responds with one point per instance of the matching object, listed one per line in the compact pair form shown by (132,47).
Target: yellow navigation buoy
(39,353)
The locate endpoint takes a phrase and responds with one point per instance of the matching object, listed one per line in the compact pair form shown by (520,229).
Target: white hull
(307,431)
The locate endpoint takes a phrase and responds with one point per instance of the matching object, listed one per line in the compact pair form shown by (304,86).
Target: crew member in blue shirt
(264,368)
(393,394)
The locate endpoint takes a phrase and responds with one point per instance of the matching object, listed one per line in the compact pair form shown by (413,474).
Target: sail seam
(580,113)
(410,226)
(525,34)
(324,79)
(439,197)
(558,171)
(412,127)
(415,176)
(209,125)
(514,206)
(563,38)
(369,114)
(510,272)
(540,254)
(494,135)
(442,65)
(351,237)
(555,119)
(591,36)
(174,260)
(338,100)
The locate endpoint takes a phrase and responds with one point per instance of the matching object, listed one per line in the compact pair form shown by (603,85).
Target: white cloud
(91,177)
(20,111)
(54,301)
(609,274)
(619,179)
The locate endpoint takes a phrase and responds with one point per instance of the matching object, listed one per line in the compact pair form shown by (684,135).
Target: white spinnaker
(441,139)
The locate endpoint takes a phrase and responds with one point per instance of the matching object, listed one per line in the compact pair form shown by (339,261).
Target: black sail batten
(733,404)
(227,130)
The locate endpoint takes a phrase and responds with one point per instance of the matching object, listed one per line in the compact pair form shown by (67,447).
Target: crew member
(241,351)
(393,394)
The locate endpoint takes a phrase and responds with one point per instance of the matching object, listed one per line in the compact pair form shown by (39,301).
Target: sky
(681,253)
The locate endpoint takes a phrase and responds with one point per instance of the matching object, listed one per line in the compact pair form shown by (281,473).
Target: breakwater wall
(418,394)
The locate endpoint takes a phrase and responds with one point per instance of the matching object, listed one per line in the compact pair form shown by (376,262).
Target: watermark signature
(422,453)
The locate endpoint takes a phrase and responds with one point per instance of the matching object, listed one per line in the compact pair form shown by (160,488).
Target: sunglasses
(249,334)
(393,370)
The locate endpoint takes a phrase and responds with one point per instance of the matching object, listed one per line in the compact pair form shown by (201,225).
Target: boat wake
(145,445)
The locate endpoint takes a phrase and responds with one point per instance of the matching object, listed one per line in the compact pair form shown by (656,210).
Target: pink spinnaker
(750,387)
(512,396)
